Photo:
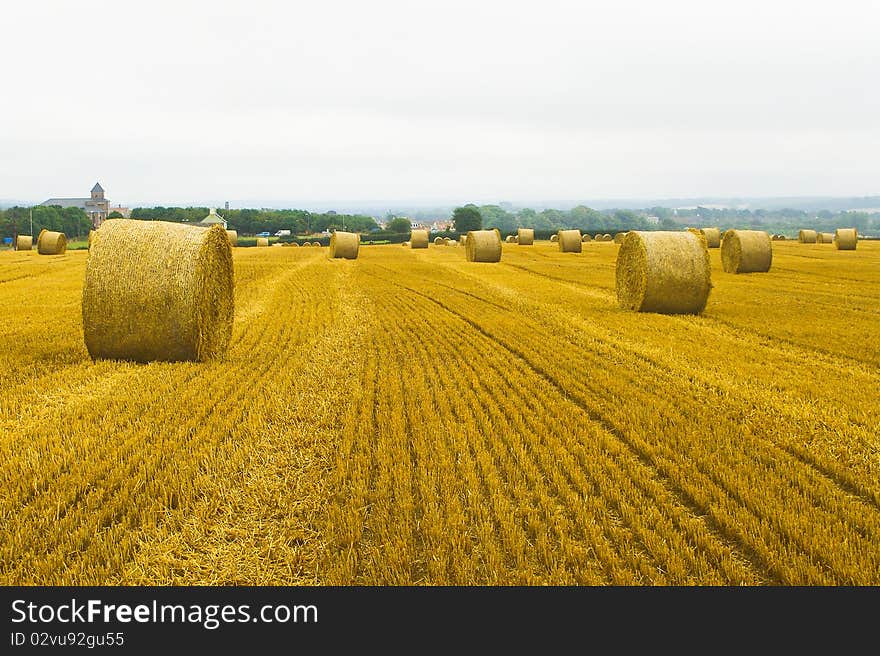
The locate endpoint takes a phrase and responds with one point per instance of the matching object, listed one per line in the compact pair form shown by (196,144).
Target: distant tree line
(72,221)
(253,221)
(781,220)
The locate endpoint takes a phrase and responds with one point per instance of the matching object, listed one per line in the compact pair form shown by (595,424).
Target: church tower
(98,192)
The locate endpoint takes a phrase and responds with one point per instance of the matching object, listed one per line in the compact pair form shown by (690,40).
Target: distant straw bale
(51,243)
(746,251)
(483,246)
(525,236)
(24,243)
(807,236)
(232,235)
(846,239)
(344,245)
(419,239)
(570,241)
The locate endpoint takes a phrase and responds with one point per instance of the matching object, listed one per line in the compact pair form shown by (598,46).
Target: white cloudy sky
(191,102)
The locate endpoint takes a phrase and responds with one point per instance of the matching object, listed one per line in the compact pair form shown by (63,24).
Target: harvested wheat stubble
(807,236)
(746,251)
(483,246)
(665,272)
(232,235)
(51,243)
(418,239)
(264,241)
(570,241)
(155,290)
(586,238)
(525,236)
(344,245)
(24,243)
(824,237)
(554,238)
(846,239)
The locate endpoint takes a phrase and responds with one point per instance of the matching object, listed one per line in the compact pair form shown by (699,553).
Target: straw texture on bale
(665,272)
(418,239)
(824,237)
(155,290)
(807,236)
(438,241)
(554,238)
(570,241)
(746,251)
(483,246)
(264,241)
(344,245)
(846,239)
(525,236)
(232,235)
(91,237)
(51,243)
(586,238)
(713,237)
(24,243)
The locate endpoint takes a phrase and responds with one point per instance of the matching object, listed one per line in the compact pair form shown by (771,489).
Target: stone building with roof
(96,206)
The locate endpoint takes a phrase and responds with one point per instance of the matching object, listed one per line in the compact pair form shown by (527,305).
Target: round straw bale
(232,235)
(586,238)
(295,244)
(554,238)
(24,243)
(263,241)
(51,243)
(406,244)
(570,241)
(344,245)
(824,237)
(807,236)
(846,239)
(483,246)
(607,237)
(618,238)
(452,242)
(525,236)
(462,240)
(156,290)
(91,237)
(438,241)
(508,239)
(666,272)
(713,237)
(746,251)
(446,240)
(418,239)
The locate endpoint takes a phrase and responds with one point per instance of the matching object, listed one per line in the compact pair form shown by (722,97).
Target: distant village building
(212,219)
(124,211)
(96,206)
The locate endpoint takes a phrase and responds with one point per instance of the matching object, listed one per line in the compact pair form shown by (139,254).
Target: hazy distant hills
(381,207)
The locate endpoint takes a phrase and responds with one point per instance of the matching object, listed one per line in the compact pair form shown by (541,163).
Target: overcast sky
(200,102)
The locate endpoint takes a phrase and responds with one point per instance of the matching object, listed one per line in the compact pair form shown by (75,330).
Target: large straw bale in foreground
(264,241)
(525,236)
(51,243)
(570,241)
(807,236)
(155,290)
(746,251)
(344,245)
(24,243)
(483,246)
(846,239)
(232,235)
(824,237)
(418,239)
(666,272)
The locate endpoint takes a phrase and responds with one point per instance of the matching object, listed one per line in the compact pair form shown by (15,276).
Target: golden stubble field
(411,418)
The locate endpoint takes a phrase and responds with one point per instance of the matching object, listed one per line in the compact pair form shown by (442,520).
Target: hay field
(409,417)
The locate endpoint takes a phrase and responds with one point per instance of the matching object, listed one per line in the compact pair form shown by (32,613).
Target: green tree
(398,224)
(115,215)
(467,218)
